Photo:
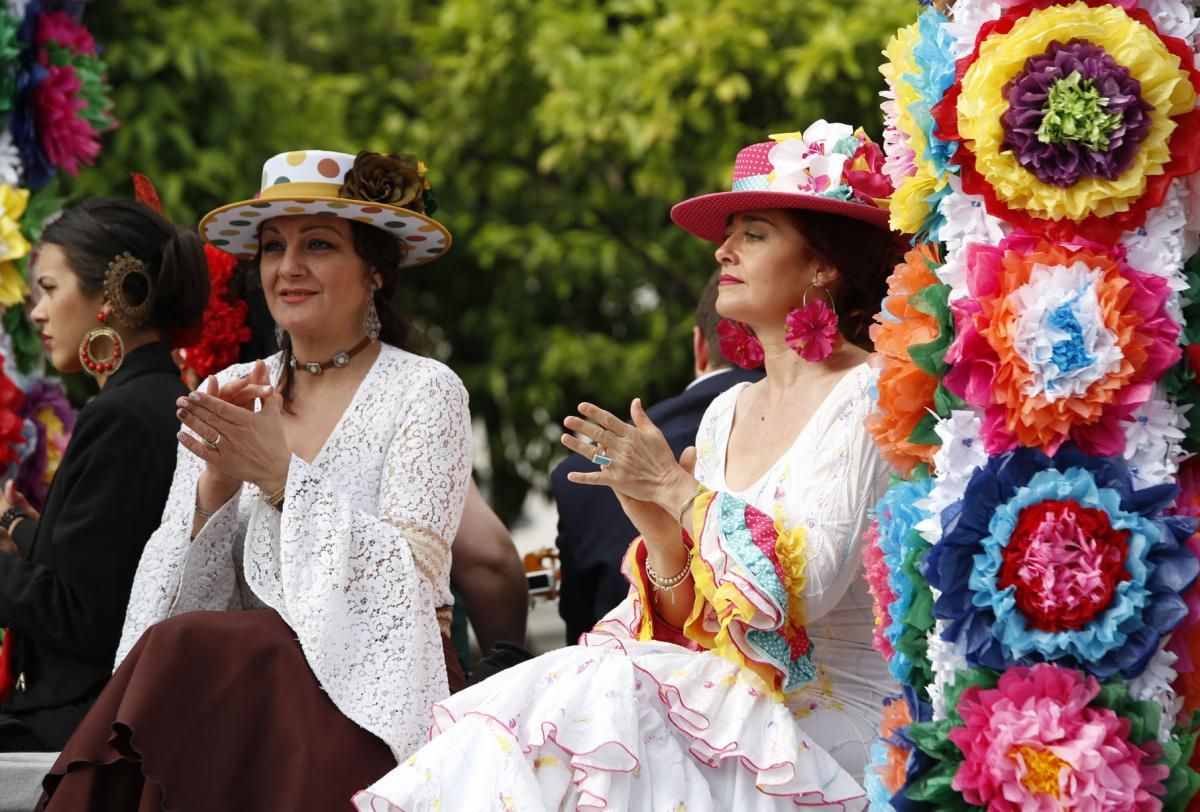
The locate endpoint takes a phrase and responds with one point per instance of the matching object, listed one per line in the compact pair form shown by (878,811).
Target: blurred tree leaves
(557,135)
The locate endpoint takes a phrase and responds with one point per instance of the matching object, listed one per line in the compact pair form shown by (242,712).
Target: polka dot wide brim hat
(315,182)
(831,168)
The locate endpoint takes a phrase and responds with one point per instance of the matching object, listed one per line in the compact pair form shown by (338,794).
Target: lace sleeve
(356,575)
(177,574)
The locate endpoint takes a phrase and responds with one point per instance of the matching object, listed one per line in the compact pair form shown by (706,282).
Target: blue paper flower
(898,516)
(983,614)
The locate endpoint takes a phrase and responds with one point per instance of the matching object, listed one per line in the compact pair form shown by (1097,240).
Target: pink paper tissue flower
(1033,744)
(66,137)
(65,31)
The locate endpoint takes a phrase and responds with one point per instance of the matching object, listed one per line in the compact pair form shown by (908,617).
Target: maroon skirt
(217,711)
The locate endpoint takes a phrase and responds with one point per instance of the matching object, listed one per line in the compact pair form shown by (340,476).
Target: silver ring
(599,458)
(214,443)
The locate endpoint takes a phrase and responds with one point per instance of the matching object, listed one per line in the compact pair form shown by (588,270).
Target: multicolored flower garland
(1061,176)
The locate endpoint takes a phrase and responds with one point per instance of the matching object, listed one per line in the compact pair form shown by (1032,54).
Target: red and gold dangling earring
(101,365)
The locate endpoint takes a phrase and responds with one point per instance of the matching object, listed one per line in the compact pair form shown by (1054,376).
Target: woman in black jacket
(118,281)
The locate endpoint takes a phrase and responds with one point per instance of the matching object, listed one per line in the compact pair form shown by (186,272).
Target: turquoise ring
(600,459)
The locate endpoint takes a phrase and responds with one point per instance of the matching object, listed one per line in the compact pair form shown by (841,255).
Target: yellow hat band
(294,189)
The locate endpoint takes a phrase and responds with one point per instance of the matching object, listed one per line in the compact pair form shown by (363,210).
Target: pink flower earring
(812,328)
(740,345)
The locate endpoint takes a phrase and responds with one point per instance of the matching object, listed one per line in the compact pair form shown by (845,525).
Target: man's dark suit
(593,532)
(65,596)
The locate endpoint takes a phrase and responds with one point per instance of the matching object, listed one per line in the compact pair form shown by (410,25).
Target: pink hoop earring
(739,345)
(812,328)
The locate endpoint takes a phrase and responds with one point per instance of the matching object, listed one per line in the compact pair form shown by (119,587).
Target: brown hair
(383,254)
(707,319)
(864,256)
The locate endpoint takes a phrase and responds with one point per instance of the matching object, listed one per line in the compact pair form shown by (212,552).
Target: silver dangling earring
(278,336)
(371,323)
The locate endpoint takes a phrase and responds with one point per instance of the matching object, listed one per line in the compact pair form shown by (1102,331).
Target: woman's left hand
(239,443)
(642,466)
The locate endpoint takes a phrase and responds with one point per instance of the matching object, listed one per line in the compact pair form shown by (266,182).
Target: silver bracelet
(204,514)
(695,494)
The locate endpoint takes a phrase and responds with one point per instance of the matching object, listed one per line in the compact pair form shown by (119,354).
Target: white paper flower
(1159,246)
(965,221)
(967,17)
(947,659)
(1154,685)
(960,454)
(11,168)
(1175,18)
(1153,441)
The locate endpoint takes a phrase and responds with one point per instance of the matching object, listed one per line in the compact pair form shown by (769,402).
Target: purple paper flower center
(1064,161)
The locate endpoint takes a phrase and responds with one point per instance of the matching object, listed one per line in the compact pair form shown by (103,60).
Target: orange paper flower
(905,390)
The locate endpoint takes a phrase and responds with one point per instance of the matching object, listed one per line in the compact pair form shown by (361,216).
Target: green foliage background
(558,134)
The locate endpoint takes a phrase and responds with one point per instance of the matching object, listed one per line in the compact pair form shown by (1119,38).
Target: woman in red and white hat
(287,630)
(739,673)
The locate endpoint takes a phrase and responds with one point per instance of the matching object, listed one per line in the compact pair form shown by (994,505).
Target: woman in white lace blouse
(317,493)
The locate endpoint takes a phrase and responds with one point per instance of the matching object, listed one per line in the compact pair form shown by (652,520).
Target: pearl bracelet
(661,584)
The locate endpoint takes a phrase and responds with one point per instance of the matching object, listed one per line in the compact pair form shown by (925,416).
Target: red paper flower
(224,327)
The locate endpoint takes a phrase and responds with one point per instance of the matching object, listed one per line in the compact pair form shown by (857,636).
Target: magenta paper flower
(66,137)
(739,345)
(812,331)
(65,31)
(1032,743)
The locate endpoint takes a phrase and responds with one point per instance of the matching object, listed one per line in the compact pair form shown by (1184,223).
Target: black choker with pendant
(336,362)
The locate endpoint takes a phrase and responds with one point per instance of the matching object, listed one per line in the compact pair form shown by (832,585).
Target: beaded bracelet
(202,513)
(661,584)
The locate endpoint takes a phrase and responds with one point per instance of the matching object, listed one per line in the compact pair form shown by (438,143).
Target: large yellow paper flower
(979,103)
(13,245)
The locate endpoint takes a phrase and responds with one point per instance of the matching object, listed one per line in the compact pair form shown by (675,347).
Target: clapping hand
(236,443)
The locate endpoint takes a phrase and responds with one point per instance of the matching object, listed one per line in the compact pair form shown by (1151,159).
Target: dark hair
(864,256)
(707,319)
(383,254)
(93,232)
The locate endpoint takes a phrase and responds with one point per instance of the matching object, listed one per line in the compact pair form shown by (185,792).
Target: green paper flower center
(1075,111)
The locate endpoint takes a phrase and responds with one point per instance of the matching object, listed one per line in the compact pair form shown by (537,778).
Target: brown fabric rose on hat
(392,179)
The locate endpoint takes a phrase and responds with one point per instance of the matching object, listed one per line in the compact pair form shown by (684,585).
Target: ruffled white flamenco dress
(737,711)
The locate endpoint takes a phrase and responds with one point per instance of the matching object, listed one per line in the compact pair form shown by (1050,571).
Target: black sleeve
(75,598)
(22,535)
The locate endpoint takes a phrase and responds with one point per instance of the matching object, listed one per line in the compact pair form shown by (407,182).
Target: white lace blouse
(357,560)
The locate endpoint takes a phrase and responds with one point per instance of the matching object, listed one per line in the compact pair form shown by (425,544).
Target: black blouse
(65,597)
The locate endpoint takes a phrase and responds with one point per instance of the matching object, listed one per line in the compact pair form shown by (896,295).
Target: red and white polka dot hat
(830,168)
(312,181)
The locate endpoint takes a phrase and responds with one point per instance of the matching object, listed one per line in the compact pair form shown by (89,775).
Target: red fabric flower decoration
(739,345)
(224,327)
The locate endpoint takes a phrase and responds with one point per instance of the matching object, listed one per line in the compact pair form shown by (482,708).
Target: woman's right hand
(215,488)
